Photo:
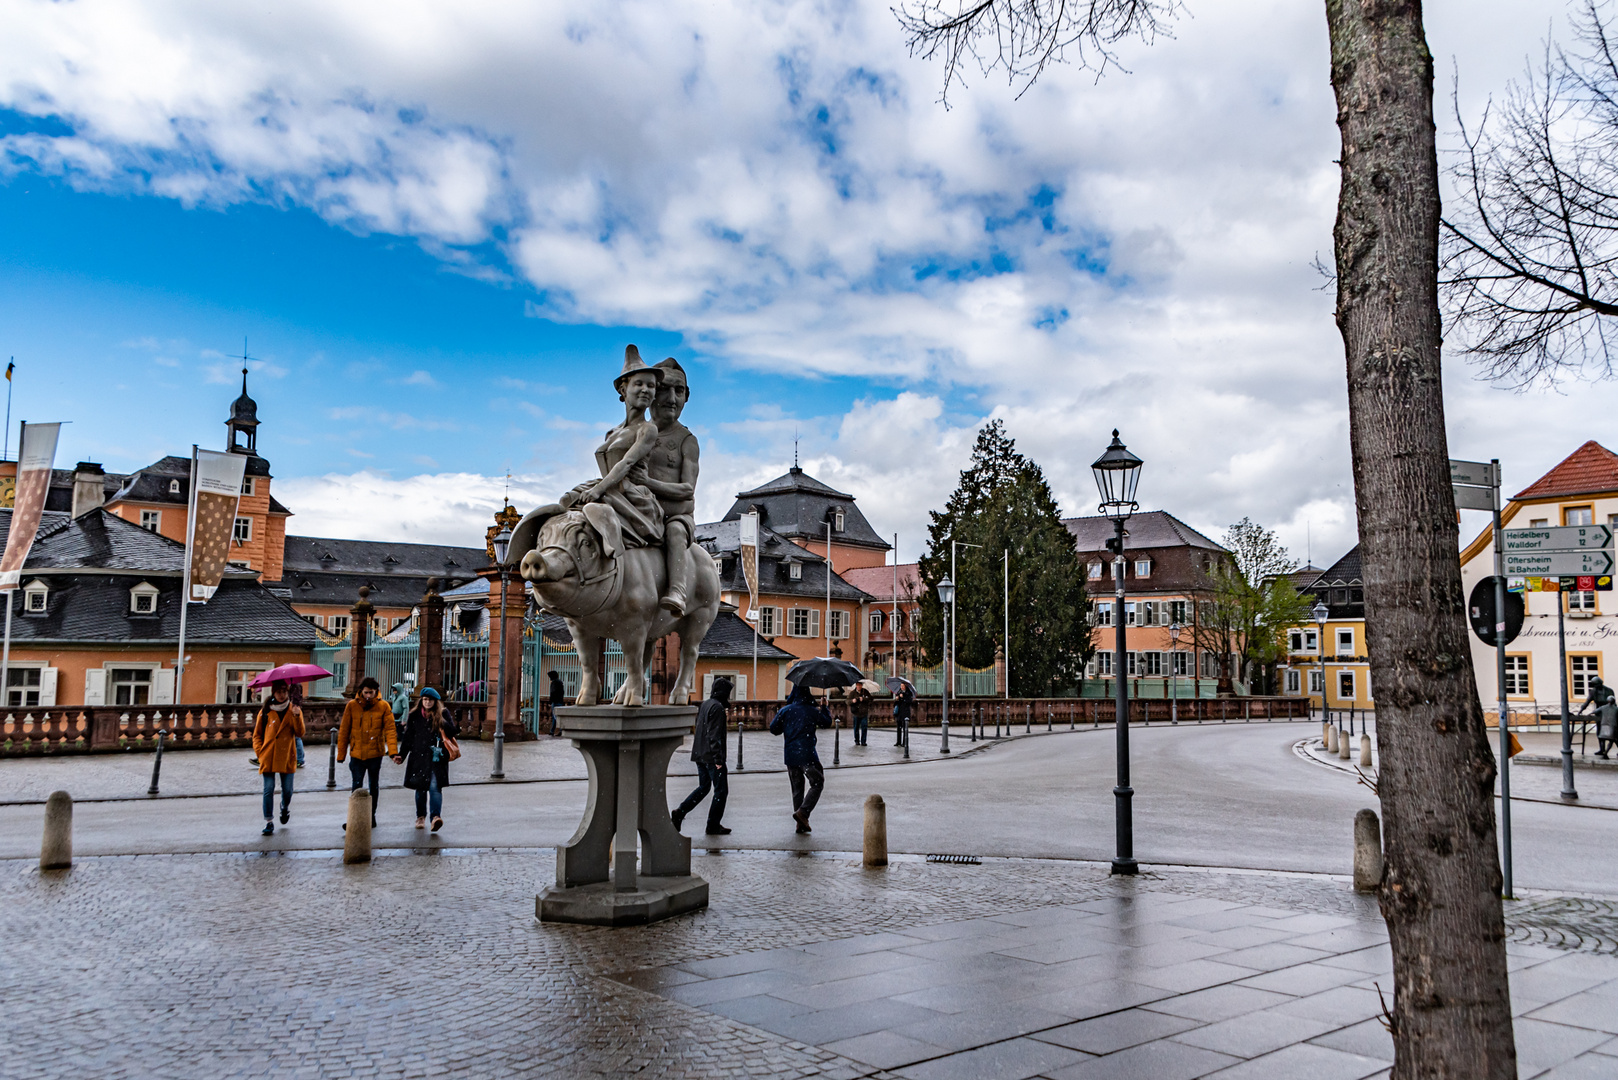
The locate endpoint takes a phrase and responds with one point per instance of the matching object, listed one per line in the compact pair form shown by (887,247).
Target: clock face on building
(8,491)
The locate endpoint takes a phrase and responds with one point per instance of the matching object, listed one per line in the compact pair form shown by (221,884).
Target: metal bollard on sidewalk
(331,767)
(876,831)
(740,726)
(157,761)
(56,850)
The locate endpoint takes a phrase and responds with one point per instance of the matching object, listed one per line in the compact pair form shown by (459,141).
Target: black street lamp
(946,597)
(502,547)
(1321,613)
(1117,472)
(1174,684)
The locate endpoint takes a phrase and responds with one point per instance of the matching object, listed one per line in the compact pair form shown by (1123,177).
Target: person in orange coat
(275,735)
(368,730)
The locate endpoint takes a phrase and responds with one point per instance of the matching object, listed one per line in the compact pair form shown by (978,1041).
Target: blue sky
(437,228)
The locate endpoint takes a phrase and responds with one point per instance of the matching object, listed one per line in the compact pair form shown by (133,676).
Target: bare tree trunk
(1440,892)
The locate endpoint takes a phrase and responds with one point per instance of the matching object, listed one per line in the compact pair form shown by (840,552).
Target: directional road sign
(1564,538)
(1559,563)
(1473,498)
(1472,473)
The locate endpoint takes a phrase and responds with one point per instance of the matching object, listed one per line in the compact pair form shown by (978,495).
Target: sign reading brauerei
(35,458)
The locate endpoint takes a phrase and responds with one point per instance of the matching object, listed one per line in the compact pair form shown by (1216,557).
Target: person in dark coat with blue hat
(424,756)
(796,721)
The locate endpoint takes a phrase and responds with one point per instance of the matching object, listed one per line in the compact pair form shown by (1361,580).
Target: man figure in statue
(671,475)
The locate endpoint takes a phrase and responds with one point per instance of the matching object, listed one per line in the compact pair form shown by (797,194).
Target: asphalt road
(1219,795)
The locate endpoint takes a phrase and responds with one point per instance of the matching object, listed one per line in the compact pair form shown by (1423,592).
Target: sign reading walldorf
(1566,551)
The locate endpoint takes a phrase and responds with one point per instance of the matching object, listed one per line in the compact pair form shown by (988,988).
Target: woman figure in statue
(622,458)
(1601,696)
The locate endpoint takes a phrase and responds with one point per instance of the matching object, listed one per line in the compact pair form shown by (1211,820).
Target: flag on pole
(216,491)
(35,459)
(749,544)
(10,367)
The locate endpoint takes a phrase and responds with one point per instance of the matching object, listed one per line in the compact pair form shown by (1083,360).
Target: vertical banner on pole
(216,492)
(35,459)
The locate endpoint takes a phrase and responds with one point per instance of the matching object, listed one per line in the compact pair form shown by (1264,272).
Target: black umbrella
(824,672)
(895,683)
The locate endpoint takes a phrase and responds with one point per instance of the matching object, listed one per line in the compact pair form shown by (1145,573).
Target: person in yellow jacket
(275,735)
(367,730)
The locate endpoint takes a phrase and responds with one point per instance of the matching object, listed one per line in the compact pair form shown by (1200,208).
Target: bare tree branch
(1022,37)
(1530,255)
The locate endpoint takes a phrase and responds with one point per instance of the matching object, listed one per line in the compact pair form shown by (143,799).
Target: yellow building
(1581,490)
(1332,661)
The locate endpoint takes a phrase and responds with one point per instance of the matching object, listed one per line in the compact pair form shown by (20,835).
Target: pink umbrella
(289,673)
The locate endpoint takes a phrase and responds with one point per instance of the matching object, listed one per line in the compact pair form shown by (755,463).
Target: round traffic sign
(1480,612)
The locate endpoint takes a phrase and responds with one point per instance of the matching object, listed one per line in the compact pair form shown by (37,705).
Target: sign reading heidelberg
(1568,551)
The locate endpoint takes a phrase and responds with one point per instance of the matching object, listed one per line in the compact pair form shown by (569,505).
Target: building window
(143,599)
(1148,613)
(1177,611)
(1517,676)
(1152,663)
(1578,515)
(312,620)
(337,624)
(174,487)
(1210,665)
(837,521)
(1580,669)
(1143,568)
(1129,614)
(839,624)
(1131,660)
(1293,682)
(34,597)
(1345,641)
(244,530)
(1094,571)
(1103,612)
(876,622)
(236,680)
(1104,662)
(131,686)
(1538,523)
(1181,664)
(803,622)
(151,520)
(1314,681)
(767,621)
(248,485)
(1311,639)
(795,571)
(1295,641)
(1345,686)
(1581,601)
(22,687)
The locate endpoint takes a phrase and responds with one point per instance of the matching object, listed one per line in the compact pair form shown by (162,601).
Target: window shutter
(47,686)
(95,686)
(814,622)
(163,686)
(741,688)
(707,686)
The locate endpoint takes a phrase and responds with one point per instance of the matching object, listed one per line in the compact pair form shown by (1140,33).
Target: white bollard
(357,839)
(56,852)
(876,831)
(1365,751)
(1367,851)
(1344,742)
(1331,740)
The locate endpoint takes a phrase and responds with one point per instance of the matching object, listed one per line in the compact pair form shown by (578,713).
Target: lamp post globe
(502,548)
(946,596)
(1117,474)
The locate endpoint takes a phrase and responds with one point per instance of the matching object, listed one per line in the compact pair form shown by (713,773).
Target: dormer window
(795,571)
(1143,568)
(837,521)
(174,487)
(34,596)
(390,559)
(143,599)
(248,486)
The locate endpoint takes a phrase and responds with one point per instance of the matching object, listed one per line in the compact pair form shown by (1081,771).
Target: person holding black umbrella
(796,721)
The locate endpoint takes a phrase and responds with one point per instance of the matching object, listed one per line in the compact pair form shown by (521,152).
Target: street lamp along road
(502,548)
(946,596)
(1117,472)
(1174,686)
(1321,613)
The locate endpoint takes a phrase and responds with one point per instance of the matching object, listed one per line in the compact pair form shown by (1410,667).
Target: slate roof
(796,504)
(878,582)
(1150,529)
(319,570)
(1591,469)
(148,485)
(101,540)
(776,554)
(1339,577)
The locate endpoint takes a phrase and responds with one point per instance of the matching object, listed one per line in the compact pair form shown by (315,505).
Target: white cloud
(777,182)
(420,378)
(433,508)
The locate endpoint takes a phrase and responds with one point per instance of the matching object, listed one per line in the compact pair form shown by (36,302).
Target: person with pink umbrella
(279,725)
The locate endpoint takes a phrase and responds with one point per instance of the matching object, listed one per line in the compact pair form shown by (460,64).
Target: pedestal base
(654,899)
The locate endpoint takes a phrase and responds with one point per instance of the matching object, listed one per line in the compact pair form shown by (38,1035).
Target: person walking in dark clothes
(709,749)
(859,706)
(558,697)
(902,703)
(796,722)
(428,768)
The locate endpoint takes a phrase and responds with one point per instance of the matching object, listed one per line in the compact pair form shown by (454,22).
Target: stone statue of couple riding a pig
(614,556)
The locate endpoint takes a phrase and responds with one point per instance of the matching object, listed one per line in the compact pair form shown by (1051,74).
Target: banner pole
(5,654)
(185,578)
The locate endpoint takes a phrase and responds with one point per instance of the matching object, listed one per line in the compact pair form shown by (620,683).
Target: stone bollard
(357,839)
(1331,740)
(1344,745)
(1325,732)
(1365,751)
(876,831)
(1367,851)
(56,852)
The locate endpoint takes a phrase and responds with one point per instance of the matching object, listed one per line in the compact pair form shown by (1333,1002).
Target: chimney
(89,487)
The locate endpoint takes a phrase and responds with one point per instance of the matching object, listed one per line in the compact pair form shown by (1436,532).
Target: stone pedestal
(627,752)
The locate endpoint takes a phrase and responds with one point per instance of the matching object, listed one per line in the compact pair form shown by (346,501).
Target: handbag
(451,747)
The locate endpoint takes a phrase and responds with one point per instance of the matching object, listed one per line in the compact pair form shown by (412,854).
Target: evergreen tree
(1002,503)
